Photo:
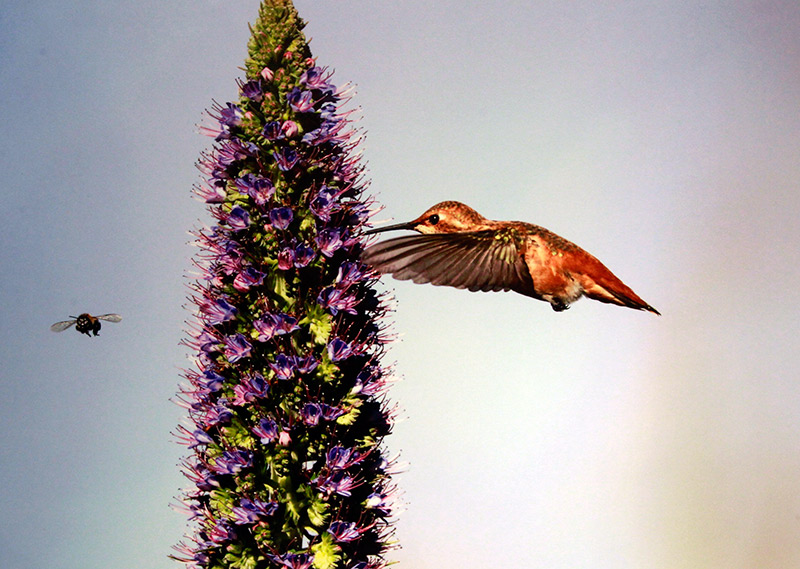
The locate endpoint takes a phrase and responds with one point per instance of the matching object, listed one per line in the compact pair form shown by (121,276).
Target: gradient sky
(662,137)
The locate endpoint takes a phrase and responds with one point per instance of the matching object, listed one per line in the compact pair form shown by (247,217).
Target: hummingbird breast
(554,266)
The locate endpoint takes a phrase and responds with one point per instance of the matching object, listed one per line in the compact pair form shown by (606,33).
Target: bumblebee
(85,323)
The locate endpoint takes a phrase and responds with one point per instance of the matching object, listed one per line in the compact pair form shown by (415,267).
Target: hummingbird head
(444,217)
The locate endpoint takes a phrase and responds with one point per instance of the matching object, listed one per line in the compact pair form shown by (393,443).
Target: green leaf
(349,418)
(239,558)
(277,282)
(319,324)
(221,501)
(326,553)
(238,435)
(326,369)
(307,224)
(295,502)
(317,513)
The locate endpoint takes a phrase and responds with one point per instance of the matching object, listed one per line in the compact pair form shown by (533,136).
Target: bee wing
(475,260)
(61,326)
(110,317)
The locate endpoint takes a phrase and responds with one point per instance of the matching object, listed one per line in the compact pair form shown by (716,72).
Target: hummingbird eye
(434,219)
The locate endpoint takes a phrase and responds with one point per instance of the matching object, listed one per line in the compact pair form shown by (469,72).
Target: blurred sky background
(663,137)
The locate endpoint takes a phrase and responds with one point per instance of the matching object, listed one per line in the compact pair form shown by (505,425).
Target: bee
(85,323)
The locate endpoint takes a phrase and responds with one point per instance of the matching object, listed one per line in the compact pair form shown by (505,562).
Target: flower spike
(286,402)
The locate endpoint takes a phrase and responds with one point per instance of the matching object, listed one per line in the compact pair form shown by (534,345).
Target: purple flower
(232,462)
(260,189)
(300,101)
(306,364)
(369,383)
(289,129)
(206,341)
(328,241)
(218,415)
(258,385)
(337,483)
(330,413)
(286,158)
(245,183)
(271,325)
(210,193)
(266,431)
(310,413)
(213,381)
(253,90)
(339,458)
(238,218)
(236,347)
(228,258)
(281,217)
(267,326)
(218,311)
(287,324)
(349,273)
(385,502)
(233,150)
(313,78)
(294,560)
(251,389)
(251,511)
(336,299)
(199,438)
(303,255)
(272,130)
(209,346)
(219,175)
(359,213)
(221,532)
(231,115)
(241,395)
(248,278)
(282,367)
(344,531)
(338,350)
(323,204)
(202,477)
(328,132)
(286,259)
(328,109)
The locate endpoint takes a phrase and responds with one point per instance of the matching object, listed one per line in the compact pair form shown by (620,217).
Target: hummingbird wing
(487,260)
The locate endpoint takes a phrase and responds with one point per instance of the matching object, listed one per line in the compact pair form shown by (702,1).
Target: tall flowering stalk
(286,399)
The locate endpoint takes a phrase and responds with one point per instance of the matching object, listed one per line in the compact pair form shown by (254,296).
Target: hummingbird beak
(408,225)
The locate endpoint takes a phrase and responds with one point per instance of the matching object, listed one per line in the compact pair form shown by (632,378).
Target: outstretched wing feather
(479,274)
(477,261)
(427,264)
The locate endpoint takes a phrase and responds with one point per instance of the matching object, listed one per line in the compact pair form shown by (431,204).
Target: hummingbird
(458,247)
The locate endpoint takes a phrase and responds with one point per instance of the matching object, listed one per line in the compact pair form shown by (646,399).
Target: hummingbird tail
(636,303)
(611,290)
